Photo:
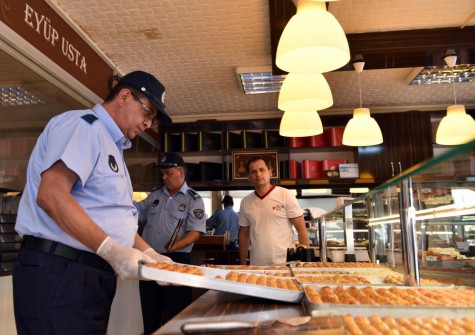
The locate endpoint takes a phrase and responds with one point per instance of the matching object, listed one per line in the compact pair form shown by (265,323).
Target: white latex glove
(158,258)
(124,260)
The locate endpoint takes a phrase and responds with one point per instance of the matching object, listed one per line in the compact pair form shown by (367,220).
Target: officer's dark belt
(62,250)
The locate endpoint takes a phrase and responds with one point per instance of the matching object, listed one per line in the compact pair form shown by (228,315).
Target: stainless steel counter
(222,306)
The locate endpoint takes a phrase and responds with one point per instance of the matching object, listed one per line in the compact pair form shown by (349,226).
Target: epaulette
(193,193)
(156,188)
(89,118)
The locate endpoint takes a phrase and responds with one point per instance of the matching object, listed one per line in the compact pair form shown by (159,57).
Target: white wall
(7,318)
(126,312)
(326,204)
(125,319)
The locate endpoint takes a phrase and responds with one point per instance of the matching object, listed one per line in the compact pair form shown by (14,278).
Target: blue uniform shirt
(162,213)
(91,144)
(224,219)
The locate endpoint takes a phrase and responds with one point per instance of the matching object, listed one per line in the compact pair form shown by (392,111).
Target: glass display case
(420,220)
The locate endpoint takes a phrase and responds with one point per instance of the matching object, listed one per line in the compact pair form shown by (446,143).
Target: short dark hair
(117,88)
(228,200)
(255,159)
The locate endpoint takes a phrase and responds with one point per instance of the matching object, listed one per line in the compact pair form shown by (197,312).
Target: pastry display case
(345,232)
(420,220)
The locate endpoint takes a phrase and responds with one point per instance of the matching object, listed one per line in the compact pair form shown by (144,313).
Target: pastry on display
(400,280)
(255,279)
(337,279)
(277,274)
(442,254)
(339,265)
(191,270)
(449,297)
(255,267)
(214,266)
(371,271)
(362,325)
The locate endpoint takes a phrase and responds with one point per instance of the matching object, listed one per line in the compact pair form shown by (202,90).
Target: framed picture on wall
(241,157)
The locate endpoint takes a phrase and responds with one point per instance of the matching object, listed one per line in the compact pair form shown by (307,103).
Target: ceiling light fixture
(357,190)
(362,129)
(312,41)
(17,96)
(430,75)
(300,124)
(457,127)
(305,92)
(259,79)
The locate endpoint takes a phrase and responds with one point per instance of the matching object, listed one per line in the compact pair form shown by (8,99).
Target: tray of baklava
(338,265)
(247,283)
(345,271)
(272,270)
(378,280)
(410,325)
(401,301)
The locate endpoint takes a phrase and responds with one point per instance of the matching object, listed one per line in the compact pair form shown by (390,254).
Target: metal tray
(247,268)
(209,282)
(316,309)
(213,272)
(353,271)
(375,280)
(317,265)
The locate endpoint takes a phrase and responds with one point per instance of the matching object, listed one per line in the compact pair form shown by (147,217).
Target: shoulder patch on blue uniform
(194,194)
(89,118)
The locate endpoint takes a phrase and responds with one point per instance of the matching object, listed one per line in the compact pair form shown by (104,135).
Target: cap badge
(163,97)
(164,158)
(143,89)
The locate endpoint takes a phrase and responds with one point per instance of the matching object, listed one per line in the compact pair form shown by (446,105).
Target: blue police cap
(153,89)
(171,159)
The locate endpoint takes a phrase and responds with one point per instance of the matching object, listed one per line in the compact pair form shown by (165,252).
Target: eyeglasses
(149,111)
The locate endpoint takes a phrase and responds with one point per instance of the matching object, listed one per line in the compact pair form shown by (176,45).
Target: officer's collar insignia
(182,207)
(198,213)
(113,164)
(155,203)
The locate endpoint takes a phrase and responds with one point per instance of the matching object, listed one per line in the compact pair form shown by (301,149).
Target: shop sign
(42,27)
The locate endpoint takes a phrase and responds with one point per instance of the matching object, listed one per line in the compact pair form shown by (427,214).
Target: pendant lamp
(312,41)
(457,127)
(362,130)
(300,124)
(304,92)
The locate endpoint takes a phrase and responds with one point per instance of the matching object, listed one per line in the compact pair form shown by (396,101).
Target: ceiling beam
(390,49)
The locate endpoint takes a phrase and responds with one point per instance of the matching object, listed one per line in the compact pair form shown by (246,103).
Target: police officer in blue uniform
(174,207)
(77,218)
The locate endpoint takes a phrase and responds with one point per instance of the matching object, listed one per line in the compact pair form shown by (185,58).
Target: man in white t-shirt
(266,218)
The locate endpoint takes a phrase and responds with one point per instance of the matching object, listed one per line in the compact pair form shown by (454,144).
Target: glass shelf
(424,214)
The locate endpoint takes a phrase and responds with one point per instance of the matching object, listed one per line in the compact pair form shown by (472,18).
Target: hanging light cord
(453,84)
(361,99)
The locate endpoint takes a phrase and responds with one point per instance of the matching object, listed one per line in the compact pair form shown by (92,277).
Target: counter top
(223,306)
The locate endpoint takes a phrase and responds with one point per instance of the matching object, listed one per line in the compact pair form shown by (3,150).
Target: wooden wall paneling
(407,139)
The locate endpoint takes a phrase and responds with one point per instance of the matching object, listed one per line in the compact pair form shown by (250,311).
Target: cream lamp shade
(312,41)
(300,124)
(304,92)
(456,128)
(362,130)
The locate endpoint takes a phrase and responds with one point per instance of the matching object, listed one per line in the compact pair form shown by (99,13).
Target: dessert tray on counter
(214,279)
(464,307)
